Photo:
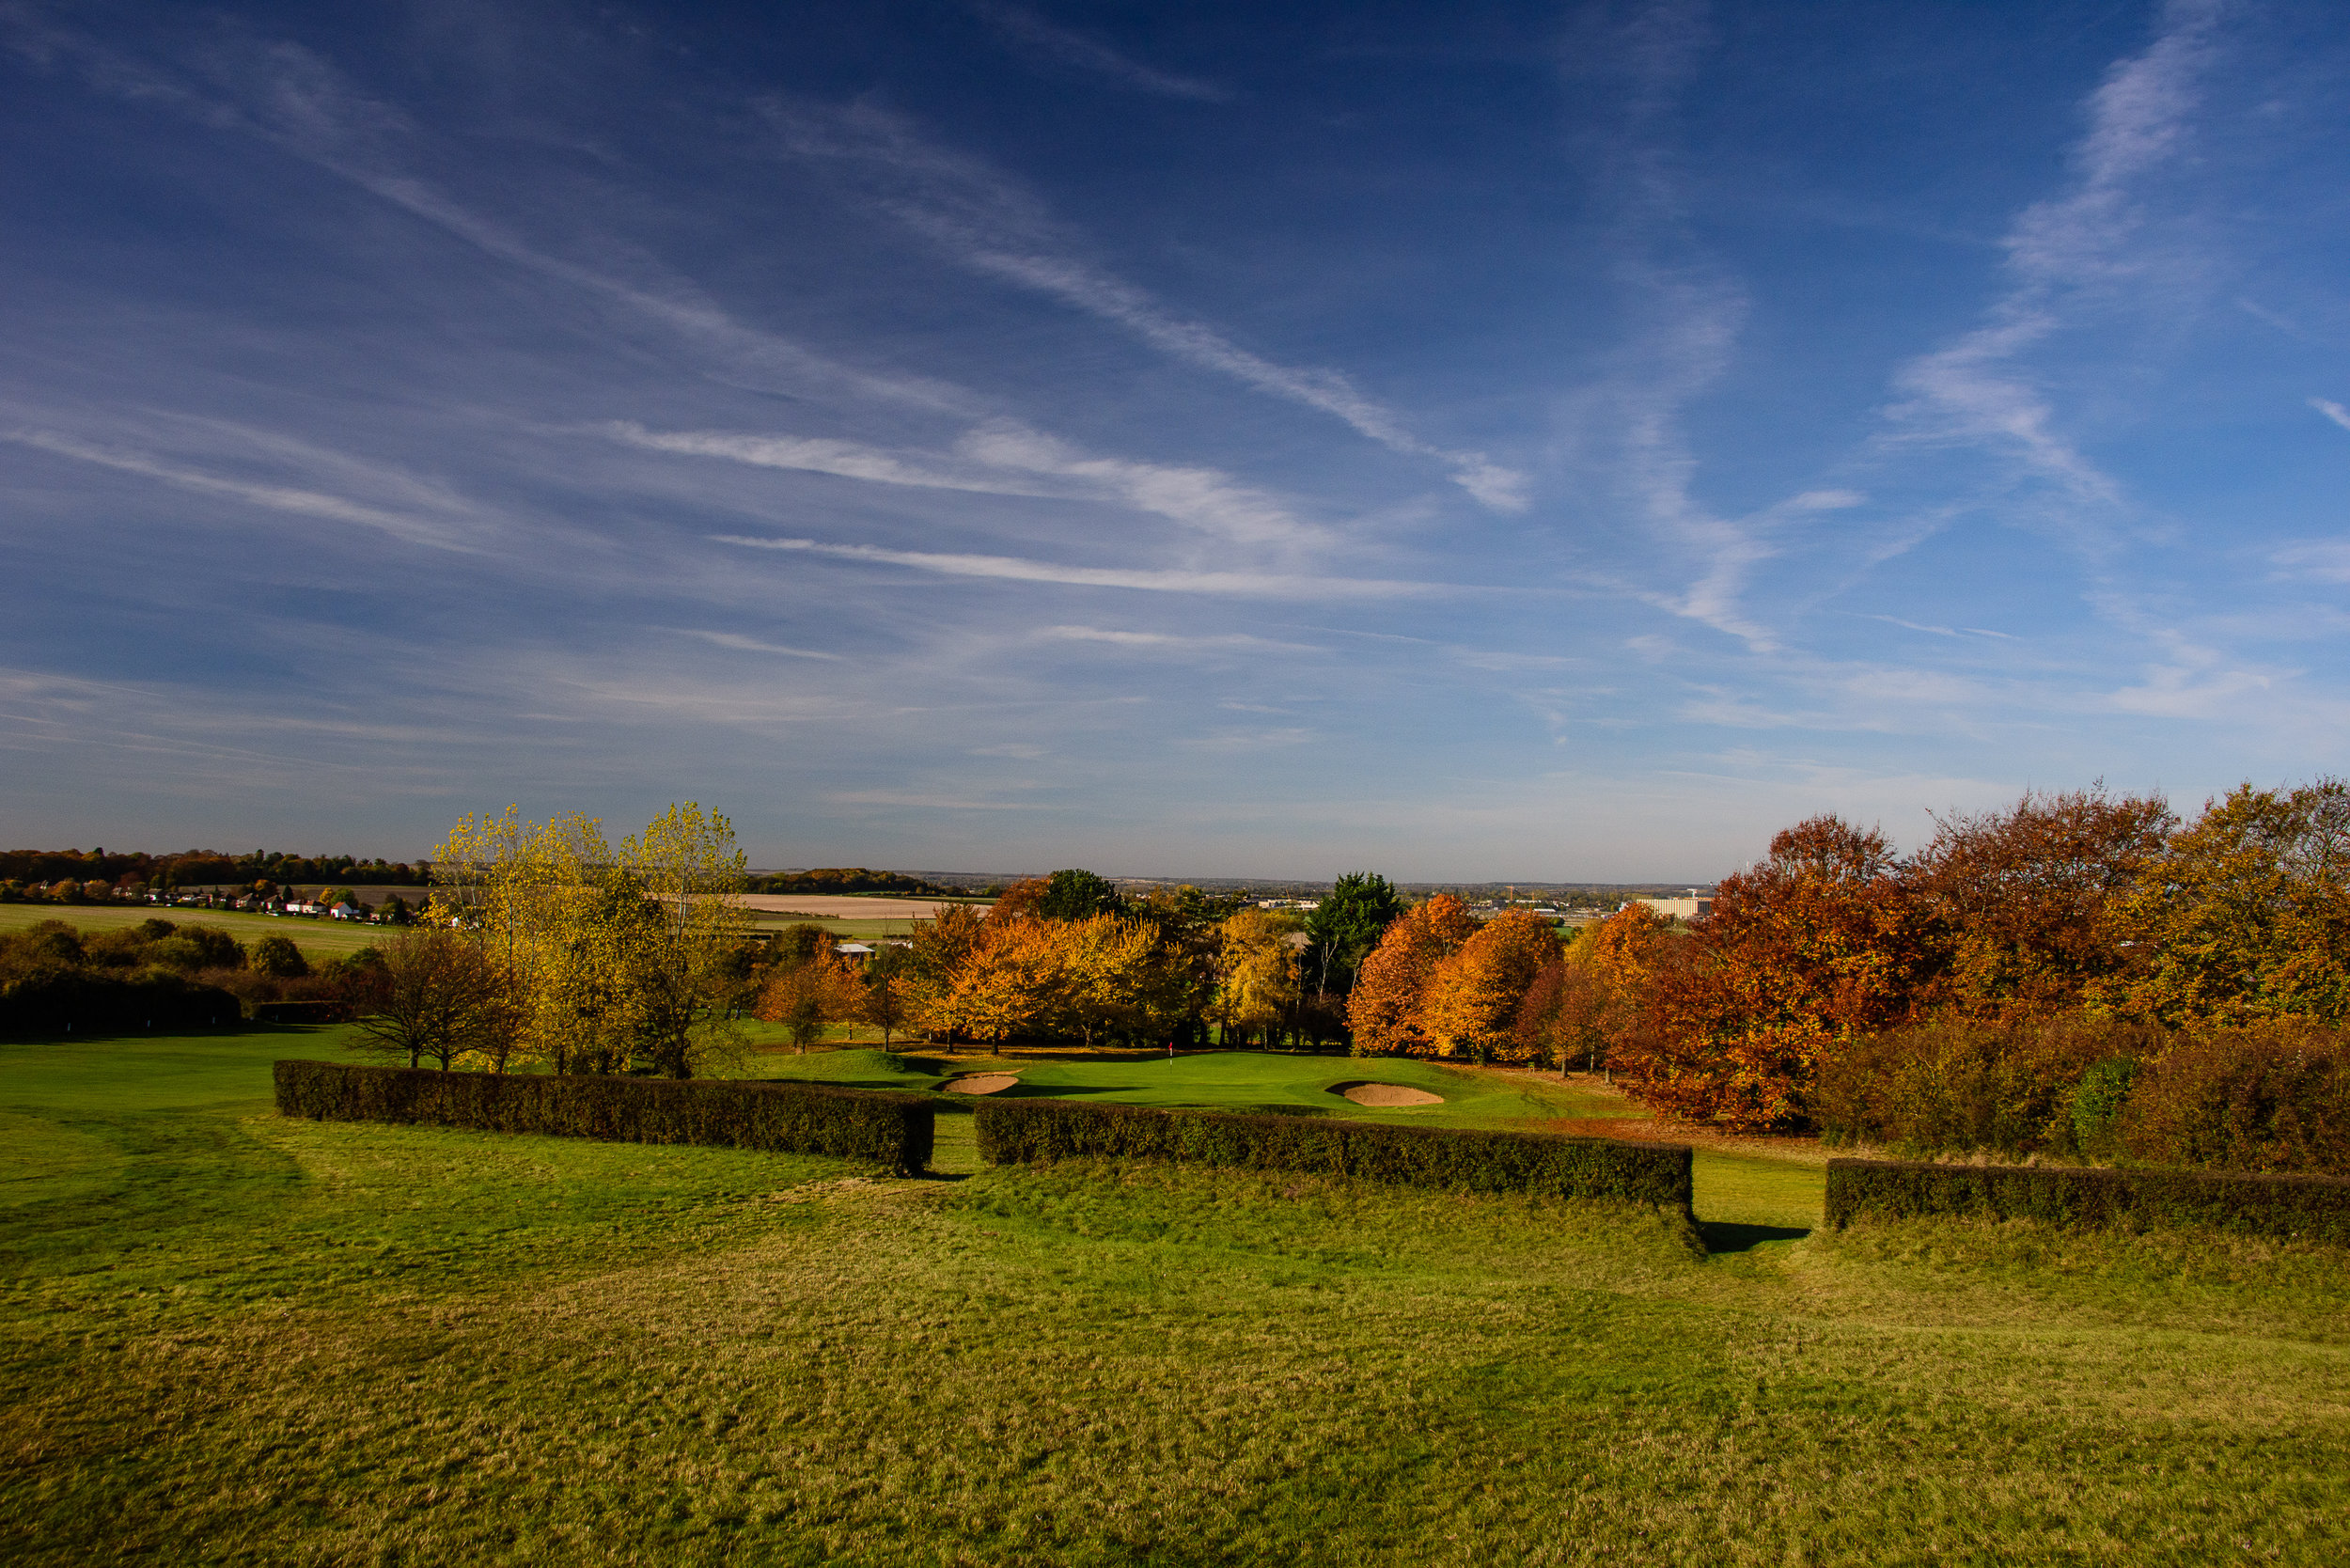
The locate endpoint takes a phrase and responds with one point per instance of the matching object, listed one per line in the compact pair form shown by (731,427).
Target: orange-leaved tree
(807,996)
(1821,942)
(2024,900)
(1473,997)
(1383,1010)
(1595,992)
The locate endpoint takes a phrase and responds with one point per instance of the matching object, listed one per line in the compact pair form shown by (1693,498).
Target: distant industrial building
(1697,904)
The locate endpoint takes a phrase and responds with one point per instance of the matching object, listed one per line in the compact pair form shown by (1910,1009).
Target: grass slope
(234,1337)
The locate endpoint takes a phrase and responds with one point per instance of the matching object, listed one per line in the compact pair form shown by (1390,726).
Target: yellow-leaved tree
(1257,972)
(1025,977)
(1119,978)
(616,960)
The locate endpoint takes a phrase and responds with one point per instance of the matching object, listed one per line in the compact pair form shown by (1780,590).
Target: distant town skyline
(1560,442)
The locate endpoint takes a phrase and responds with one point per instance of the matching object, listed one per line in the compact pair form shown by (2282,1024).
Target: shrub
(277,957)
(2271,1099)
(193,948)
(1035,1130)
(2097,1102)
(1955,1086)
(892,1130)
(2312,1207)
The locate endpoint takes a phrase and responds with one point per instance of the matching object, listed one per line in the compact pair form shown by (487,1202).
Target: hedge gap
(1037,1129)
(891,1130)
(2315,1208)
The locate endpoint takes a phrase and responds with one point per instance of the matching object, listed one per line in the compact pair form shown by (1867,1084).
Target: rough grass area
(230,1337)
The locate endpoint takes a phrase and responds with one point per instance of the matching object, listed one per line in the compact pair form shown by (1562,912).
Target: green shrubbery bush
(892,1130)
(2272,1098)
(1031,1130)
(2315,1208)
(1959,1085)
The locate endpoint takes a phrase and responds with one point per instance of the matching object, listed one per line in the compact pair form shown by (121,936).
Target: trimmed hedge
(2315,1208)
(892,1130)
(1026,1131)
(303,1012)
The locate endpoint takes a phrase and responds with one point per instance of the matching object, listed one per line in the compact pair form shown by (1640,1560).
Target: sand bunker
(1387,1094)
(982,1083)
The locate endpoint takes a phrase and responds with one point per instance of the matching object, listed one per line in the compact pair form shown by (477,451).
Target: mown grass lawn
(232,1337)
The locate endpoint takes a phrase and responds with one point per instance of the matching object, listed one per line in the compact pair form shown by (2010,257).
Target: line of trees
(1068,958)
(38,872)
(847,879)
(2081,974)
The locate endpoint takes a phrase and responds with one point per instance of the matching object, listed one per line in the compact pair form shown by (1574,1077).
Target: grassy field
(326,938)
(316,938)
(232,1337)
(848,930)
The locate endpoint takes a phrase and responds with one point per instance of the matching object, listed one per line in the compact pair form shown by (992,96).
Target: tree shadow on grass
(1722,1235)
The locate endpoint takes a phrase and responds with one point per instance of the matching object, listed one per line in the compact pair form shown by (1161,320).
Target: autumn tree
(1473,995)
(2024,900)
(1102,975)
(1596,992)
(1821,942)
(1383,1010)
(884,983)
(1022,901)
(622,958)
(805,997)
(1257,973)
(980,979)
(276,957)
(1116,978)
(2244,917)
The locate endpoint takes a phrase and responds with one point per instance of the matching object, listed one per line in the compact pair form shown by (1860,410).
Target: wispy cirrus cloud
(1247,585)
(298,102)
(994,225)
(931,802)
(2063,252)
(1004,458)
(1039,39)
(2332,410)
(1174,641)
(741,644)
(413,527)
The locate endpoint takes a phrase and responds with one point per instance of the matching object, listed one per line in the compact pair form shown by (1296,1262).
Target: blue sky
(1469,441)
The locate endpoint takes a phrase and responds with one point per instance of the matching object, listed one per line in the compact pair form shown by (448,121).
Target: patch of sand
(982,1083)
(834,907)
(1387,1094)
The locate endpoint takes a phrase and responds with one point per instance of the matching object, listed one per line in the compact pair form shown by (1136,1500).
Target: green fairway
(1735,1190)
(229,1336)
